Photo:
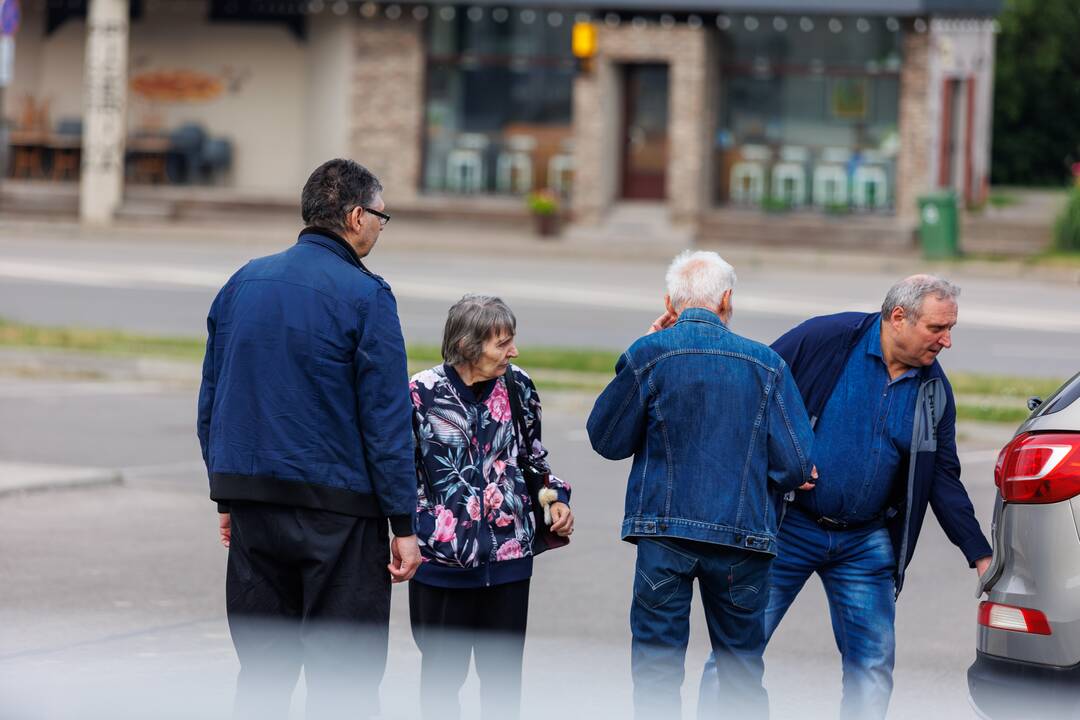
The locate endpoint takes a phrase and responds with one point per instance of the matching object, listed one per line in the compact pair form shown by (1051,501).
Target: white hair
(698,279)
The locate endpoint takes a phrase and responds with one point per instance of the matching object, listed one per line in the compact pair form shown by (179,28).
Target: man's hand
(810,485)
(405,558)
(663,322)
(562,519)
(982,565)
(225,528)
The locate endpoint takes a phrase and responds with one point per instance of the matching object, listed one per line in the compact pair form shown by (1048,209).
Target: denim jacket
(717,430)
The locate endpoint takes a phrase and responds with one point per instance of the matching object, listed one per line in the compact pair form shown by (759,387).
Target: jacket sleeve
(531,410)
(207,389)
(384,409)
(948,497)
(617,422)
(790,438)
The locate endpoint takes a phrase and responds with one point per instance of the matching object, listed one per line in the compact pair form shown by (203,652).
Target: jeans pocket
(748,582)
(659,574)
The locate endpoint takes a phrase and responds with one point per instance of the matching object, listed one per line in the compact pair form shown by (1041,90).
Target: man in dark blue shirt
(885,449)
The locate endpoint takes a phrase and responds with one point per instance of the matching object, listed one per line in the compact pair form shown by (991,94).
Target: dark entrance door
(645,132)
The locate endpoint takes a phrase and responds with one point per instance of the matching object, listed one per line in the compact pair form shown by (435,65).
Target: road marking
(16,477)
(184,466)
(163,277)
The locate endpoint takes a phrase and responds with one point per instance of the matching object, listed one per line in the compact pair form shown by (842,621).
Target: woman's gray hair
(471,321)
(910,292)
(696,279)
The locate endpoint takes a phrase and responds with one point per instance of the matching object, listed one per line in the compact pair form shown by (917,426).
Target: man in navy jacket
(305,427)
(885,447)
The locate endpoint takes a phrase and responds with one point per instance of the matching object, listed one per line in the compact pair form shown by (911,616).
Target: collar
(338,245)
(693,314)
(475,393)
(873,349)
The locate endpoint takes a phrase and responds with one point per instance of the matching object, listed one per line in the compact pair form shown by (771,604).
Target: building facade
(836,115)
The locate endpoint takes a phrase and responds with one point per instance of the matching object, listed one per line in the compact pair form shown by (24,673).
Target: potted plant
(544,206)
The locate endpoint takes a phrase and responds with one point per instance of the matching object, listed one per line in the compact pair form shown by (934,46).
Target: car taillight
(1039,468)
(1017,619)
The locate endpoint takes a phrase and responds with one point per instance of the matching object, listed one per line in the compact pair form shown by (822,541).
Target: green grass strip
(985,398)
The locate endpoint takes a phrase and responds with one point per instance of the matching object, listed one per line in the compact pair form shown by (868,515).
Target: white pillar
(104,110)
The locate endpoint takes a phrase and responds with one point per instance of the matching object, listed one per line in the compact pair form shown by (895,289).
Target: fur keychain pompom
(546,497)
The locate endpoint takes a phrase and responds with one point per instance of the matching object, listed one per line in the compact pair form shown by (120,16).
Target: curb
(24,478)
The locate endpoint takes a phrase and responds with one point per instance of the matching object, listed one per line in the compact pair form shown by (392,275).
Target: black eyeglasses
(383,217)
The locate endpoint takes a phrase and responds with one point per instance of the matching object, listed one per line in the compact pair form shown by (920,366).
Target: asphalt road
(164,283)
(112,598)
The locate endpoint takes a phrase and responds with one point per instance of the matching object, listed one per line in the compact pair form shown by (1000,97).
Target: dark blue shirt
(862,437)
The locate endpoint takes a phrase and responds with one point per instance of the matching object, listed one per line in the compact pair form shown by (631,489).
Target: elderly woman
(475,416)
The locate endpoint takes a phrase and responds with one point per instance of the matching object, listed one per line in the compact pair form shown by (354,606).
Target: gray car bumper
(1002,689)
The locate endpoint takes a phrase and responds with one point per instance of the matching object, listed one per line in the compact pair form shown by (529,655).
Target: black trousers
(450,625)
(307,588)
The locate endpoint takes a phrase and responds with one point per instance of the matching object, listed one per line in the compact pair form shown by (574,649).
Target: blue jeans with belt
(856,567)
(734,587)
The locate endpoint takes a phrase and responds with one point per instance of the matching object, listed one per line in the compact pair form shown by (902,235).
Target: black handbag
(535,479)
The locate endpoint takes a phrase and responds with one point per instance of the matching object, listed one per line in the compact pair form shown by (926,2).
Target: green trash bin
(939,225)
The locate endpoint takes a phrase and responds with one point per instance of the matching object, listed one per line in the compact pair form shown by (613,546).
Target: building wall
(964,50)
(948,49)
(598,117)
(326,133)
(47,70)
(915,160)
(386,103)
(263,71)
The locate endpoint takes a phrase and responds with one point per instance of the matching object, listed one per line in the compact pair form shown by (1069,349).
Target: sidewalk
(512,239)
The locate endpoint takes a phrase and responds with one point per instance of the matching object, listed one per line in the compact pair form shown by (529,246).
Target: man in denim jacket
(719,434)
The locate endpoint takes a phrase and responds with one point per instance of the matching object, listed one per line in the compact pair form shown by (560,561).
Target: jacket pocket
(748,582)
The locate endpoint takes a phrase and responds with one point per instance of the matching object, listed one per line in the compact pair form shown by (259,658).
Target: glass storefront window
(498,100)
(808,113)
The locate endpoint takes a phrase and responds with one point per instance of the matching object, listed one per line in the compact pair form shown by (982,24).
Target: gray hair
(471,321)
(910,292)
(698,279)
(334,189)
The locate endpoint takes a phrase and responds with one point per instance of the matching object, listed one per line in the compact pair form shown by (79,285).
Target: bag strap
(516,413)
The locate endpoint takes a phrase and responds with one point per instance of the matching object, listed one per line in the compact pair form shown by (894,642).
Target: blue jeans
(734,587)
(856,568)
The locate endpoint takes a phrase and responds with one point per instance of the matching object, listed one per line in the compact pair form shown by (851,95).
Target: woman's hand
(562,519)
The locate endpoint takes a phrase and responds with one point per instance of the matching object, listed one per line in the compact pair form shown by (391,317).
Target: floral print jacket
(475,523)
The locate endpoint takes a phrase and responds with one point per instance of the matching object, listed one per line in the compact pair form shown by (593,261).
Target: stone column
(913,165)
(690,55)
(691,124)
(105,111)
(598,108)
(387,108)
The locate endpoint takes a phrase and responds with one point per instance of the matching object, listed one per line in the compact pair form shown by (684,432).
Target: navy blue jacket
(816,352)
(305,390)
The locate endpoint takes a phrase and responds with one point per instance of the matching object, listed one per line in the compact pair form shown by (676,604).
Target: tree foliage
(1037,92)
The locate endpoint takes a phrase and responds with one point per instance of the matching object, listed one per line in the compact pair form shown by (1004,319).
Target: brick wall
(916,134)
(598,110)
(387,108)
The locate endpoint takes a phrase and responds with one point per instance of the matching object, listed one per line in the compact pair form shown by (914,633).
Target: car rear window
(1065,396)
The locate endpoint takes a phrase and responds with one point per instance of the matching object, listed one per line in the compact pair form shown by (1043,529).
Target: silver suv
(1028,659)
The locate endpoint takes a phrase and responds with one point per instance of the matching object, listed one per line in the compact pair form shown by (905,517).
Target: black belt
(828,523)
